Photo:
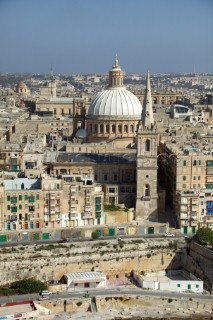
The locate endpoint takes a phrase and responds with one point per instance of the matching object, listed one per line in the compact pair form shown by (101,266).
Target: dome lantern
(116,75)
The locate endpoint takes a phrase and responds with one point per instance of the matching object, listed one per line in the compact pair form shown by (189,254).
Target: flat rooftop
(175,275)
(16,308)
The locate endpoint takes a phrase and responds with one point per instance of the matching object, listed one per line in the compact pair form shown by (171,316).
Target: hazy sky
(82,36)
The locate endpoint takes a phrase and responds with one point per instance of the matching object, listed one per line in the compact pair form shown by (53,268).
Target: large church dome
(115,102)
(115,113)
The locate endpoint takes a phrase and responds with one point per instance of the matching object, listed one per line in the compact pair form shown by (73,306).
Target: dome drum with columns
(115,113)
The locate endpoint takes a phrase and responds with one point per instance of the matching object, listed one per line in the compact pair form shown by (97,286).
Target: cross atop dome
(116,65)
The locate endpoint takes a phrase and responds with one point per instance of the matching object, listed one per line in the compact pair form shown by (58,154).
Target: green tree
(95,235)
(204,236)
(28,286)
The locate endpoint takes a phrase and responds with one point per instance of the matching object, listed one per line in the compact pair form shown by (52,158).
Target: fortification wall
(115,258)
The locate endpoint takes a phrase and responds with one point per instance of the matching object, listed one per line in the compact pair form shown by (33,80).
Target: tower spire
(147,113)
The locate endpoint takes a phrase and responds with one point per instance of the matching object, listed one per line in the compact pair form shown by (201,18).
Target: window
(194,178)
(199,162)
(198,178)
(115,177)
(105,177)
(184,186)
(147,145)
(20,197)
(20,206)
(147,190)
(113,128)
(22,186)
(194,162)
(125,128)
(25,197)
(8,198)
(101,128)
(178,285)
(31,199)
(119,128)
(96,128)
(184,178)
(107,128)
(37,197)
(131,128)
(8,207)
(13,200)
(184,162)
(111,190)
(197,285)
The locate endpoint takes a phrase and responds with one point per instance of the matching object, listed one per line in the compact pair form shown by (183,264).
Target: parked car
(168,234)
(43,298)
(45,293)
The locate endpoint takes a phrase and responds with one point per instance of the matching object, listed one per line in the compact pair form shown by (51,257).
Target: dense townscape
(111,157)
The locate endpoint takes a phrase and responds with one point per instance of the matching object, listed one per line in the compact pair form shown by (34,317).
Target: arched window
(101,128)
(119,128)
(90,127)
(22,186)
(107,128)
(131,128)
(147,190)
(147,145)
(113,128)
(96,128)
(125,128)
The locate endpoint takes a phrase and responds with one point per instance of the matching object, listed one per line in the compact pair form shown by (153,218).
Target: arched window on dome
(147,190)
(131,128)
(101,128)
(147,145)
(125,128)
(96,128)
(113,128)
(90,128)
(107,128)
(119,128)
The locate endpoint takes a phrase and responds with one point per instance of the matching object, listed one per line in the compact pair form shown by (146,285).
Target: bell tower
(147,142)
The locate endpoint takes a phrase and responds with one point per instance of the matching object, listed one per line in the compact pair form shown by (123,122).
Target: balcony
(87,215)
(183,216)
(193,223)
(73,216)
(183,208)
(184,223)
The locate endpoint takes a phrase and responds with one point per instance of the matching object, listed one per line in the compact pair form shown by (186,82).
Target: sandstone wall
(199,261)
(184,306)
(114,258)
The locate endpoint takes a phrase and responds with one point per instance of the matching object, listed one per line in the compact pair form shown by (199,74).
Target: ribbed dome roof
(21,85)
(117,102)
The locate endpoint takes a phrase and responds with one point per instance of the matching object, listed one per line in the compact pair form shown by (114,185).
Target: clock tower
(147,142)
